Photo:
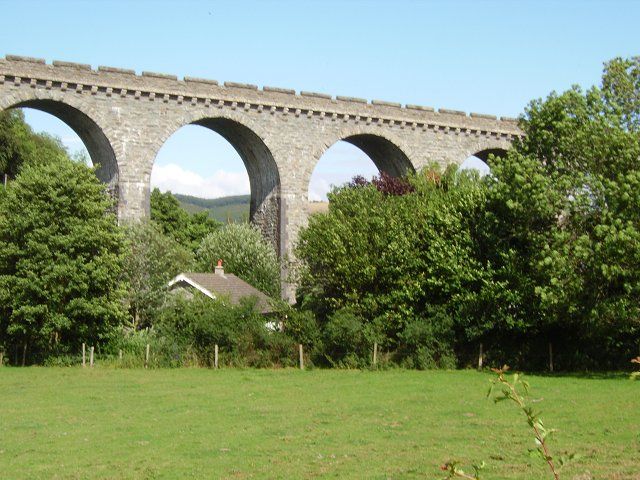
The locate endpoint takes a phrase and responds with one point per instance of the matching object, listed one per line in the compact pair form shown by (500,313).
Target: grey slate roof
(230,286)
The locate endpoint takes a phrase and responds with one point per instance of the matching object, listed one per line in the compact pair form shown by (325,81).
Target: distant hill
(234,208)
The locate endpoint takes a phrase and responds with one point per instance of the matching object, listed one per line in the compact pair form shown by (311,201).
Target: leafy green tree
(394,256)
(187,229)
(20,145)
(245,253)
(621,88)
(61,256)
(562,230)
(152,260)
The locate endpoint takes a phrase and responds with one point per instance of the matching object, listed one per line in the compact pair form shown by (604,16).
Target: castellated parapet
(124,119)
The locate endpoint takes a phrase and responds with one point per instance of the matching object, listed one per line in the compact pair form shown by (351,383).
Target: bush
(63,361)
(345,339)
(164,352)
(427,342)
(194,326)
(302,327)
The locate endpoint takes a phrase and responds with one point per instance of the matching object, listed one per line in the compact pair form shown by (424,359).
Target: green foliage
(61,257)
(245,253)
(19,145)
(301,326)
(188,230)
(192,327)
(517,392)
(510,391)
(152,260)
(345,340)
(388,259)
(545,249)
(234,208)
(621,87)
(427,342)
(562,234)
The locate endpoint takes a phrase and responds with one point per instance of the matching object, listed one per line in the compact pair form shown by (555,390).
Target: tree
(394,257)
(563,222)
(245,253)
(20,145)
(188,230)
(152,260)
(621,89)
(61,256)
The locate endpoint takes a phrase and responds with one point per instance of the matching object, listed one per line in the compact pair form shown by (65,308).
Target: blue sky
(481,56)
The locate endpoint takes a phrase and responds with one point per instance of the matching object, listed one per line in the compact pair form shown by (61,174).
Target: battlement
(170,88)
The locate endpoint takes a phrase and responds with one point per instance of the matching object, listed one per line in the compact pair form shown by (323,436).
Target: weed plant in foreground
(197,423)
(516,390)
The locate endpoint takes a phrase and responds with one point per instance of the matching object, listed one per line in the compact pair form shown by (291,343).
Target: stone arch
(264,176)
(83,123)
(383,150)
(484,154)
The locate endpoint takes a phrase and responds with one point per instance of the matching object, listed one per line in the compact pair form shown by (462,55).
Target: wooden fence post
(84,356)
(91,357)
(1,357)
(480,358)
(375,353)
(146,357)
(550,357)
(301,356)
(120,354)
(215,356)
(24,355)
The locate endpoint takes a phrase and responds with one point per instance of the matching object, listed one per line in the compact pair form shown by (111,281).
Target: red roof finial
(220,262)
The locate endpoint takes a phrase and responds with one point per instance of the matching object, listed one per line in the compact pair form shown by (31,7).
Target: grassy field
(197,423)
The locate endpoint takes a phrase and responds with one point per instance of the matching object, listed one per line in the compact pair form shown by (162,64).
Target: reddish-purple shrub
(385,183)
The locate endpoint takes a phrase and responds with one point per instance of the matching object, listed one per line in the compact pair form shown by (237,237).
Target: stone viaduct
(124,119)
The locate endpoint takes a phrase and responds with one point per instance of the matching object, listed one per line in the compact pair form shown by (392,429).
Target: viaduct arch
(124,118)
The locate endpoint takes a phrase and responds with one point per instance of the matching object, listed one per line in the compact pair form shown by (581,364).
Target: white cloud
(318,189)
(178,180)
(474,163)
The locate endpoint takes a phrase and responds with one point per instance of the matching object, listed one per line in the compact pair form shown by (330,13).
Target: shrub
(344,339)
(302,327)
(194,326)
(427,342)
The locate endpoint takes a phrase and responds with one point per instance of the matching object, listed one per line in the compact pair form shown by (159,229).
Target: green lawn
(197,423)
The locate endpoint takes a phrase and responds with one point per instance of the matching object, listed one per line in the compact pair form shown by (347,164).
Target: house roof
(224,284)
